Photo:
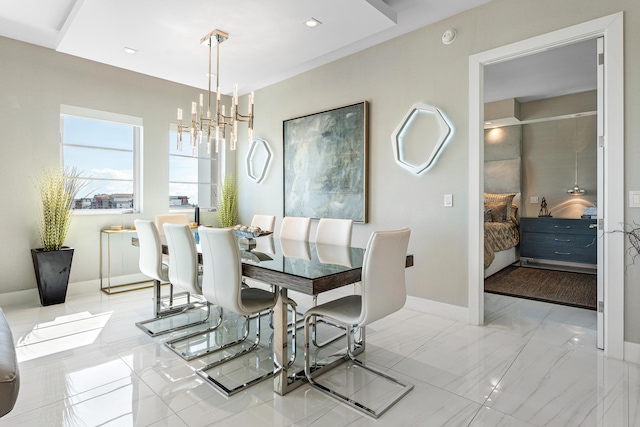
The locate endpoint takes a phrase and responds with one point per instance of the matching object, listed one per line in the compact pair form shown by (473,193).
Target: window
(105,147)
(193,180)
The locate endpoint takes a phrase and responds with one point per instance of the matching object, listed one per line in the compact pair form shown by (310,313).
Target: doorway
(541,115)
(612,263)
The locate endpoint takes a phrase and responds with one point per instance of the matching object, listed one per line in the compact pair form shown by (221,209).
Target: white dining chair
(184,273)
(295,228)
(265,222)
(332,231)
(383,293)
(333,237)
(222,285)
(152,264)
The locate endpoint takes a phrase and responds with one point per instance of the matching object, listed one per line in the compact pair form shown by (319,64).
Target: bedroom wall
(548,156)
(548,153)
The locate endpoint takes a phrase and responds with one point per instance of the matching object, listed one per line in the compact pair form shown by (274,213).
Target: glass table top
(300,258)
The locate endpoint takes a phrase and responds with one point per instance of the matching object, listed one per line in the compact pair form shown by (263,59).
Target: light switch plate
(634,199)
(448,200)
(533,199)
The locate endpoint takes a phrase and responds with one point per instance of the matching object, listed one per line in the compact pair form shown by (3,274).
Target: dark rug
(560,287)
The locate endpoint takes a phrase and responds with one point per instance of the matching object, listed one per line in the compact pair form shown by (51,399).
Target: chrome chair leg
(190,356)
(171,311)
(314,330)
(308,370)
(217,384)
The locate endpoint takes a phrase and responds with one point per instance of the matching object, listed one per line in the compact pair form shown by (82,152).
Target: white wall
(414,68)
(33,83)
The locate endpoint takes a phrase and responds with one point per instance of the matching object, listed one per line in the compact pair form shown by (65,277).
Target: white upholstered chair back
(333,231)
(295,228)
(383,275)
(265,222)
(222,269)
(184,258)
(150,261)
(163,219)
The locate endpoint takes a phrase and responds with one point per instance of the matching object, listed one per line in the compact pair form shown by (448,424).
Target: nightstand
(559,243)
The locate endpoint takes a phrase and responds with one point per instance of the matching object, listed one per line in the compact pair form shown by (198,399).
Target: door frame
(611,27)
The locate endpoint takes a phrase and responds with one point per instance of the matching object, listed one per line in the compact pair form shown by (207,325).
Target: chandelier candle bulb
(200,123)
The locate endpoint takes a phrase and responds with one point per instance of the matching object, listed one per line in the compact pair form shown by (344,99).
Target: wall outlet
(448,200)
(533,199)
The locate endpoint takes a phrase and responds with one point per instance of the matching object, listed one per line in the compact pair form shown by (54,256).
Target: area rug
(560,287)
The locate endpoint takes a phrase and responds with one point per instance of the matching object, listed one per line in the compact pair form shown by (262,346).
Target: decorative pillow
(498,211)
(504,199)
(514,214)
(487,214)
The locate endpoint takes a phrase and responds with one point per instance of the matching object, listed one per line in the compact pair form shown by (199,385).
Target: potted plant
(228,203)
(57,189)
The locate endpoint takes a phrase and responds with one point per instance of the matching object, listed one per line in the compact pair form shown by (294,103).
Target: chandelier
(211,126)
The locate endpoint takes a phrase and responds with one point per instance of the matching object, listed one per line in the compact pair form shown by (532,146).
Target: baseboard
(83,287)
(631,352)
(75,288)
(19,297)
(440,309)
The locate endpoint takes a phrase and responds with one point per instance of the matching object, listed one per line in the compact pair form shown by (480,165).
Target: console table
(560,243)
(106,284)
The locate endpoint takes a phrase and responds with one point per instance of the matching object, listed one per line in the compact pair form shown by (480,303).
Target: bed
(502,203)
(501,231)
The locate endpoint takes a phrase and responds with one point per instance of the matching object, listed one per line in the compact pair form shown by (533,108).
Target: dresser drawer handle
(562,253)
(566,226)
(562,240)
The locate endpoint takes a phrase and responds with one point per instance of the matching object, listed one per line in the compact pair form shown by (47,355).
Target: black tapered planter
(52,273)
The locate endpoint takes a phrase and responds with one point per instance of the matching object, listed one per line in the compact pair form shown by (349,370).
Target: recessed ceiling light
(130,50)
(312,22)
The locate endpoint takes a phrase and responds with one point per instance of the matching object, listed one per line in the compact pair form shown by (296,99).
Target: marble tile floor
(85,363)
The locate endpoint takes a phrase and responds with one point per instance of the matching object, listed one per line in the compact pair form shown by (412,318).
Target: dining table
(300,266)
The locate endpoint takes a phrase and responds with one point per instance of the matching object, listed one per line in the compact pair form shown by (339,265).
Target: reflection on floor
(532,364)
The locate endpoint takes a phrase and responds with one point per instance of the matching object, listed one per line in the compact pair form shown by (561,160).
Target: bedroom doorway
(541,112)
(611,198)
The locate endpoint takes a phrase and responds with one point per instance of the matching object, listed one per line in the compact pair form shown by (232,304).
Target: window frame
(173,132)
(137,123)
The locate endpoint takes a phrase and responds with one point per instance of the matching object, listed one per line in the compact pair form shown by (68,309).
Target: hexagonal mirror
(258,159)
(419,138)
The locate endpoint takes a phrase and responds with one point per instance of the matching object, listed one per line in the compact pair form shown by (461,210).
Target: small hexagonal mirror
(419,137)
(258,159)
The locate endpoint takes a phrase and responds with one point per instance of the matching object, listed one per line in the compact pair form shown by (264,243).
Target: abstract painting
(325,164)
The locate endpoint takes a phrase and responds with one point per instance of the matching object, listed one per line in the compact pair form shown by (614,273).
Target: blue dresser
(558,241)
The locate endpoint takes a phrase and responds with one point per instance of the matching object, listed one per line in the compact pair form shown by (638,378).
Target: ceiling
(554,72)
(268,41)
